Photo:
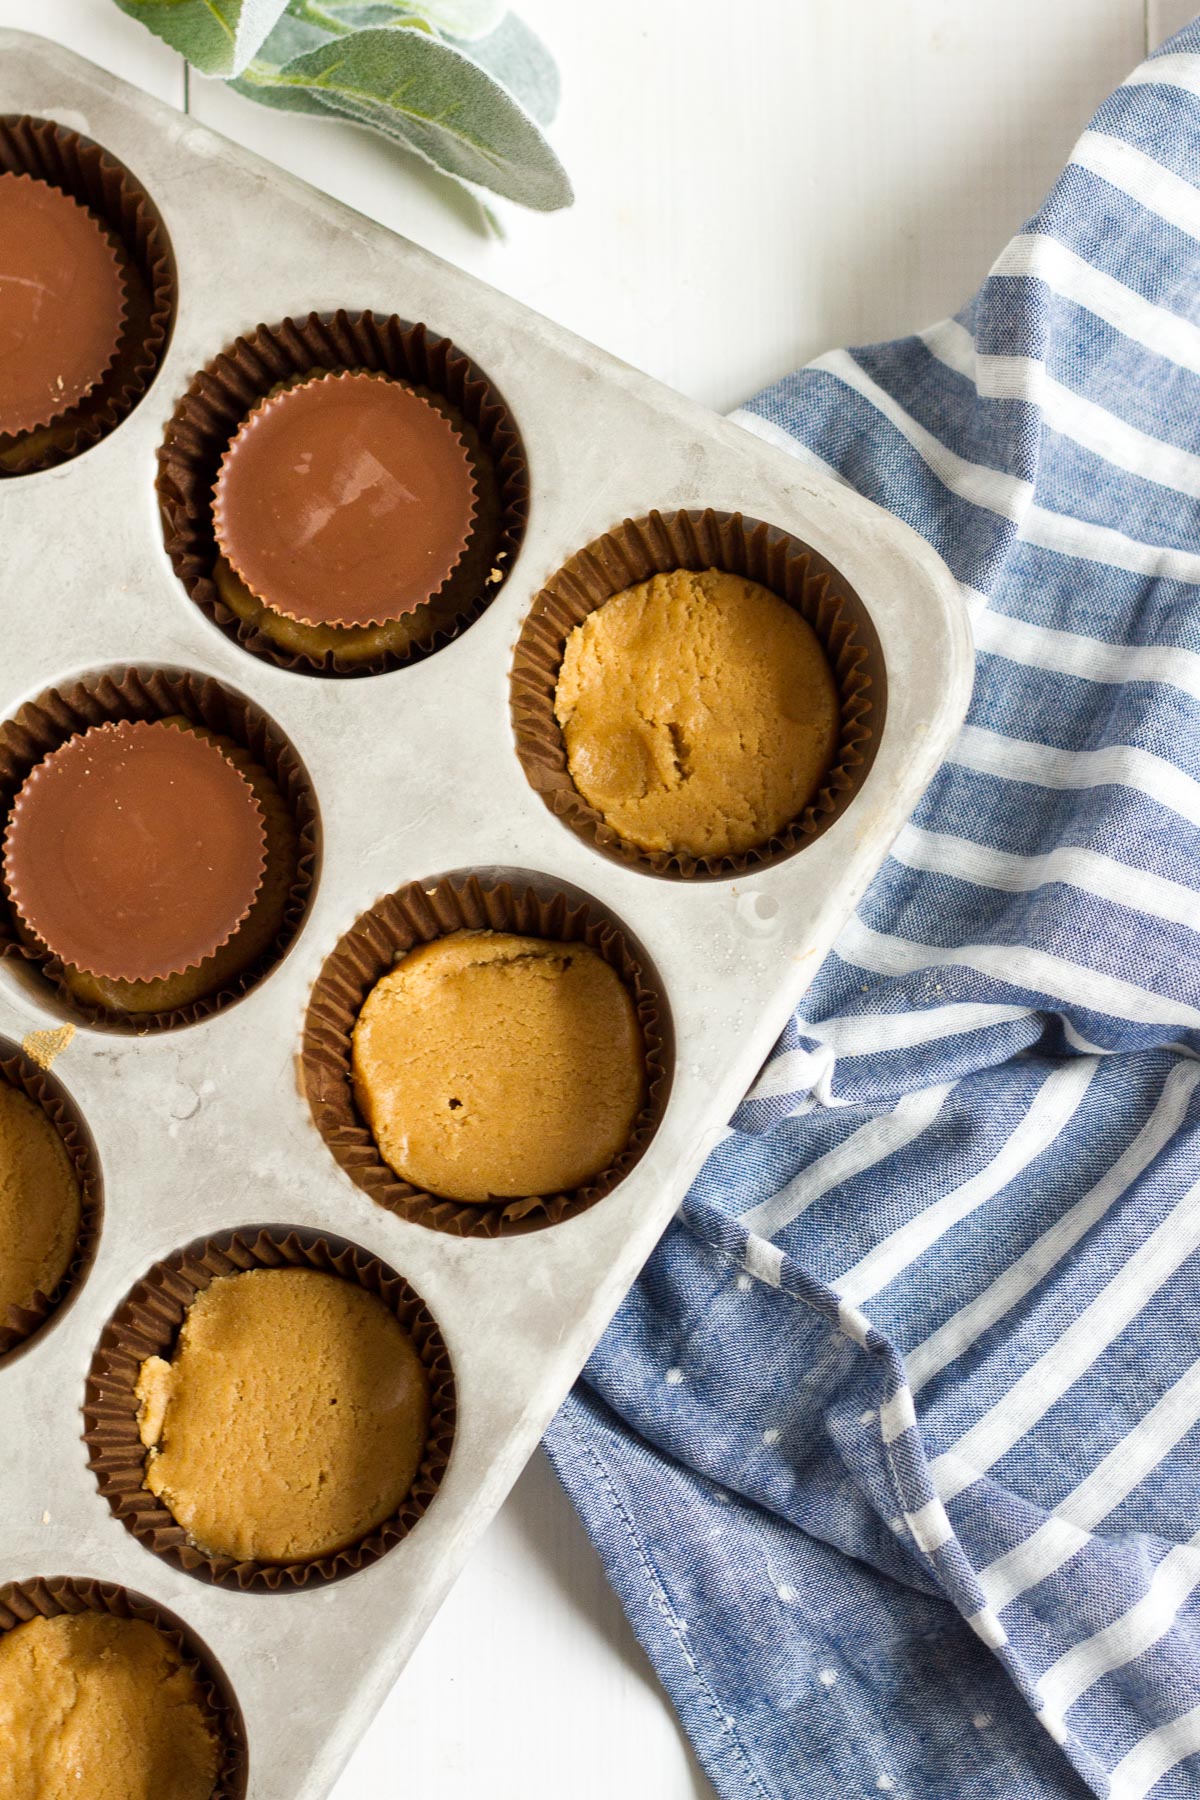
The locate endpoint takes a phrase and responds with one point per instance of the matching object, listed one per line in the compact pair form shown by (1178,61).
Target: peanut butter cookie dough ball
(39,1202)
(291,1420)
(96,1706)
(494,1066)
(699,711)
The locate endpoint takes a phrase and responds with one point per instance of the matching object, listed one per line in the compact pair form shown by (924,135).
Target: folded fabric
(893,1453)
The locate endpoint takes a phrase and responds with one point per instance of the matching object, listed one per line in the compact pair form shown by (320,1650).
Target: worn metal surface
(416,774)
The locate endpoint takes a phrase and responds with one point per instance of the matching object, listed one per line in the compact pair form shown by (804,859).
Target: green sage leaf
(218,37)
(520,62)
(428,95)
(306,25)
(343,16)
(462,18)
(294,35)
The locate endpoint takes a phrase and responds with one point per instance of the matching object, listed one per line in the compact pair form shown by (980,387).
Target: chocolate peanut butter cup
(345,500)
(112,241)
(135,851)
(232,727)
(63,302)
(270,375)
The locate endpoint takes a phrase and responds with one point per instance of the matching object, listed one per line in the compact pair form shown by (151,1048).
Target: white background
(756,180)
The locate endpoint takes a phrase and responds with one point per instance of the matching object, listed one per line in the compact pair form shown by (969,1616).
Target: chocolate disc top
(62,302)
(347,500)
(135,851)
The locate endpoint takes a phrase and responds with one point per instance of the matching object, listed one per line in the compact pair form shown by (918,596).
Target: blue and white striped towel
(894,1452)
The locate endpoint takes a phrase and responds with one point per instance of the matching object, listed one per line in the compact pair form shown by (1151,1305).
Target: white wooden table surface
(748,196)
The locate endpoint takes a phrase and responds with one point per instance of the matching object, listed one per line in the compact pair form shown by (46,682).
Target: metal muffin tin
(205,1128)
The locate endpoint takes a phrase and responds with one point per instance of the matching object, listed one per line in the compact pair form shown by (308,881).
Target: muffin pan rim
(543,1298)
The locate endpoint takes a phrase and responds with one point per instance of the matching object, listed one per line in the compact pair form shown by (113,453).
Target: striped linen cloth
(893,1453)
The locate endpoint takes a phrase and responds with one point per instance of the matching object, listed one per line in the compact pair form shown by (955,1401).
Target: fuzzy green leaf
(462,18)
(514,54)
(293,36)
(429,95)
(218,37)
(306,25)
(343,16)
(520,61)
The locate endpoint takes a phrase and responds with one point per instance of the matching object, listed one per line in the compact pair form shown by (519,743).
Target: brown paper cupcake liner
(91,175)
(657,544)
(147,1324)
(44,725)
(531,906)
(49,1596)
(228,390)
(20,1324)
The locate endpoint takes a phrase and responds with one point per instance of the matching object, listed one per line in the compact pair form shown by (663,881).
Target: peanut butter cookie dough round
(477,905)
(95,1705)
(490,1066)
(671,688)
(51,1198)
(700,712)
(291,1420)
(40,1209)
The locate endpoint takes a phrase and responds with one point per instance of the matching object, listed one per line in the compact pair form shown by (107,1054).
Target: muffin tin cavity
(147,1324)
(21,1325)
(283,897)
(502,900)
(633,552)
(49,1597)
(94,178)
(224,395)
